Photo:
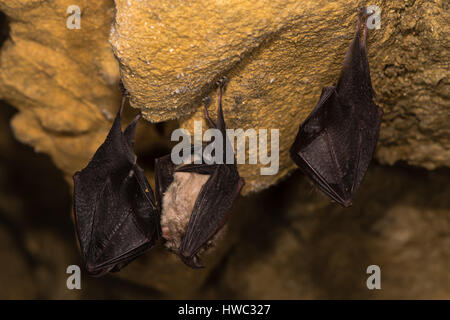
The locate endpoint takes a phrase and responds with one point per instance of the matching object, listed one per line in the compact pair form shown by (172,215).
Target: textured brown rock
(278,55)
(63,81)
(411,76)
(312,248)
(277,58)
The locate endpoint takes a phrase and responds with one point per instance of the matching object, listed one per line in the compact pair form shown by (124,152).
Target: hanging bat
(336,142)
(196,198)
(118,218)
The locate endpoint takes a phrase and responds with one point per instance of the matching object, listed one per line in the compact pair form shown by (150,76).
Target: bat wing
(355,91)
(211,209)
(320,148)
(164,171)
(115,213)
(368,128)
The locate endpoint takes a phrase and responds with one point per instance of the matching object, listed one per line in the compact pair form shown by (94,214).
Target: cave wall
(277,55)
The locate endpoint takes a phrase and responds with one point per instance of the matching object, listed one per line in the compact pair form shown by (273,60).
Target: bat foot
(206,101)
(124,91)
(222,83)
(362,11)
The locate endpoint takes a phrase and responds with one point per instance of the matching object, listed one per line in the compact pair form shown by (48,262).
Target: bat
(118,217)
(197,198)
(336,142)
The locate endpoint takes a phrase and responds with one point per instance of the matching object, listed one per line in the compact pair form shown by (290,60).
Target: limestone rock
(64,82)
(278,55)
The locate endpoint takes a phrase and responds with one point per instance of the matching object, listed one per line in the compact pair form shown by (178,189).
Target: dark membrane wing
(164,171)
(320,160)
(313,125)
(324,144)
(319,180)
(352,74)
(114,218)
(354,85)
(211,210)
(111,156)
(343,143)
(317,154)
(216,196)
(126,223)
(367,81)
(369,128)
(146,200)
(125,227)
(334,154)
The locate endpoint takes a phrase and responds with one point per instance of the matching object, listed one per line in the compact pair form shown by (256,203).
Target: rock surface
(64,82)
(278,55)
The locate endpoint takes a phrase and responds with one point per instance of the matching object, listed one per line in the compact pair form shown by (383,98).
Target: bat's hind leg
(206,104)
